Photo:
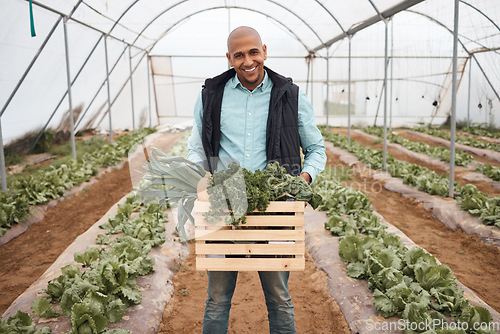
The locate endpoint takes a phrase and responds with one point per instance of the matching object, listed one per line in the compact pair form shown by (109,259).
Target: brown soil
(26,257)
(459,172)
(315,311)
(474,264)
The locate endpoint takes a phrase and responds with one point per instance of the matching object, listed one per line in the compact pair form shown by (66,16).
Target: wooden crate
(278,247)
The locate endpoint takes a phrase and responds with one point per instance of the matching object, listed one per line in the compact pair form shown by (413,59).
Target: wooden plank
(250,264)
(257,249)
(249,235)
(274,206)
(261,220)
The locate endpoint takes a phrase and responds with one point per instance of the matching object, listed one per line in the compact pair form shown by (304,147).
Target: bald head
(246,53)
(242,32)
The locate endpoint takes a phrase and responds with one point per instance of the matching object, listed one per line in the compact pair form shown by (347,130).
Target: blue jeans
(220,290)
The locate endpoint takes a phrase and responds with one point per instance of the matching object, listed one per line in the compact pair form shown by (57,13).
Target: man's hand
(306,177)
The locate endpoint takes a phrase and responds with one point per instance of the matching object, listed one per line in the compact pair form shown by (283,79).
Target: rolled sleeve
(311,139)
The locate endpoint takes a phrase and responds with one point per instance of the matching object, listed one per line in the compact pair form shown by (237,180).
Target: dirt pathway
(315,311)
(26,257)
(474,264)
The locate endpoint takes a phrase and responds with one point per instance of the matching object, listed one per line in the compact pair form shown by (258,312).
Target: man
(254,116)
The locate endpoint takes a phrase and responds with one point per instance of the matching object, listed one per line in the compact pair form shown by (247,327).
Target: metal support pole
(486,77)
(312,80)
(392,75)
(3,173)
(64,96)
(109,93)
(468,94)
(70,100)
(149,91)
(384,163)
(327,85)
(131,86)
(349,96)
(30,66)
(453,104)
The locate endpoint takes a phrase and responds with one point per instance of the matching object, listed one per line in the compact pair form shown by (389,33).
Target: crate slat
(250,264)
(248,235)
(278,245)
(274,206)
(261,220)
(254,249)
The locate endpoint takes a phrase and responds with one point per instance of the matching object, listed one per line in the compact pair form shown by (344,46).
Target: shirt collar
(262,86)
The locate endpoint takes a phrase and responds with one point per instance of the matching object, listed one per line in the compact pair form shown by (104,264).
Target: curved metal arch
(481,12)
(224,7)
(330,13)
(432,19)
(297,16)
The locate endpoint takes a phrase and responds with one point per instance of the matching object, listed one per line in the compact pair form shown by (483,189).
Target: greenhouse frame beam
(148,65)
(349,95)
(64,96)
(485,76)
(108,89)
(453,125)
(28,69)
(121,89)
(131,87)
(70,99)
(371,21)
(215,8)
(99,90)
(3,173)
(80,22)
(481,12)
(463,46)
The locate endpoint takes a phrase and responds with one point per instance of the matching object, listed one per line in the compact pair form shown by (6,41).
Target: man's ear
(264,49)
(229,59)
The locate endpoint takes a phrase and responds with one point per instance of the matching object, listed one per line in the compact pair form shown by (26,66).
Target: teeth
(250,70)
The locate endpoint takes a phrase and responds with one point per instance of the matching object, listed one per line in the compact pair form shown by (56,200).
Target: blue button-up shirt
(243,125)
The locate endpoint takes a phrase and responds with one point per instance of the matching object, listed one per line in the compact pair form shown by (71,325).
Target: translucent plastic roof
(184,41)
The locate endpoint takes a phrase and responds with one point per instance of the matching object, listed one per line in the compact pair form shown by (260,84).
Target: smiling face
(246,54)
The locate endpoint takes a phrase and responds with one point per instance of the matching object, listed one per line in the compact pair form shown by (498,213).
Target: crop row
(442,153)
(468,197)
(438,152)
(51,183)
(405,282)
(469,141)
(99,291)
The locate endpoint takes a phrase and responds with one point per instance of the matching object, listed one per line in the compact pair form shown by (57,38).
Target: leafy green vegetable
(42,308)
(21,323)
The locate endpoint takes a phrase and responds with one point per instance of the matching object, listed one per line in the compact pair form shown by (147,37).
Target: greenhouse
(107,219)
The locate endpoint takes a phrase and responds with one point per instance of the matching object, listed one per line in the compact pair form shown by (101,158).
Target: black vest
(282,131)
